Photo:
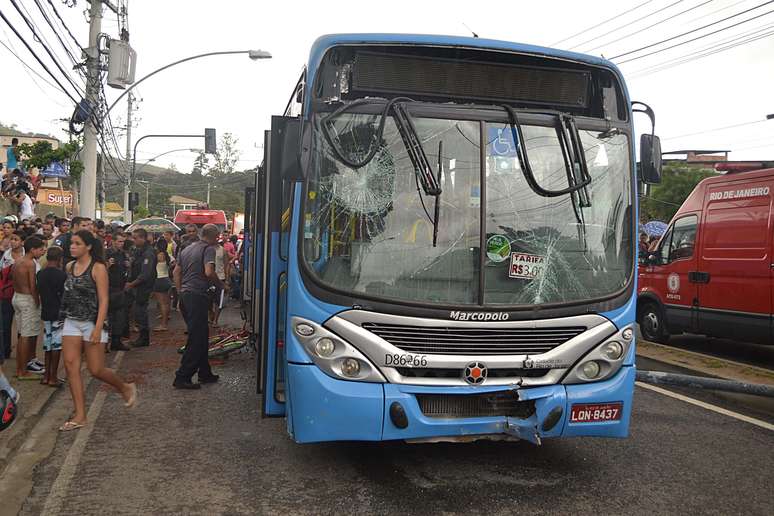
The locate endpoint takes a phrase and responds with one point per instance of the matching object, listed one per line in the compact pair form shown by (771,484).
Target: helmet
(8,410)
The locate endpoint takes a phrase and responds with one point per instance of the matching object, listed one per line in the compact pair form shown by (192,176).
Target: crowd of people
(82,286)
(18,186)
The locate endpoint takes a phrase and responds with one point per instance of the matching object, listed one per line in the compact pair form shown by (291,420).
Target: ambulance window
(665,242)
(683,238)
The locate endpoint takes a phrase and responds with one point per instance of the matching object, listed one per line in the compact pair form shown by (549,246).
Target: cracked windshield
(373,230)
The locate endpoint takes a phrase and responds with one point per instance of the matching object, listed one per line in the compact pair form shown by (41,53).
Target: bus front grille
(473,341)
(492,404)
(444,372)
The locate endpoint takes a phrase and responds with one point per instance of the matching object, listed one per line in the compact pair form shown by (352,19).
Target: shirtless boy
(26,302)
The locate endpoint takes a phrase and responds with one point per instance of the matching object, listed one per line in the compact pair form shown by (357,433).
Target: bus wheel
(652,325)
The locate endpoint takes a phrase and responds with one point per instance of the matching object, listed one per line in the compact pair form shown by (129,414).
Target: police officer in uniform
(118,269)
(141,279)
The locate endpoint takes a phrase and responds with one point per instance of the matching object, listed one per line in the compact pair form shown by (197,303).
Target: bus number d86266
(405,360)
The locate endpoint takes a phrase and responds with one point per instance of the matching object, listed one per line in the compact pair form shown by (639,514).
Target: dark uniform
(118,271)
(143,268)
(64,241)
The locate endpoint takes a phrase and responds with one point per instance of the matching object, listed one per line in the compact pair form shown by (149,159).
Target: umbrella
(154,225)
(655,228)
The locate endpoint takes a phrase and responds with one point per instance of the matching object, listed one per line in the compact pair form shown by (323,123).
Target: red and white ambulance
(713,270)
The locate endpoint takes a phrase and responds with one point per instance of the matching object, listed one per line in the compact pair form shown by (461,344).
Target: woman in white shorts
(85,308)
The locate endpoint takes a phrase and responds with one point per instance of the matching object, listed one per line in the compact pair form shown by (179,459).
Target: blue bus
(443,243)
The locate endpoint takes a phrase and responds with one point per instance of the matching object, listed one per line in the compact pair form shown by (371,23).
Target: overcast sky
(237,95)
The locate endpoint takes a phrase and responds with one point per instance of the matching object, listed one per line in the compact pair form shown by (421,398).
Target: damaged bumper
(330,410)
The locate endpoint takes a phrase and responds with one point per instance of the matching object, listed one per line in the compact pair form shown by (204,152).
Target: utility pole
(127,180)
(209,184)
(88,188)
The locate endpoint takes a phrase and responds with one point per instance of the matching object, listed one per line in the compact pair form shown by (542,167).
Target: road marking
(713,408)
(55,499)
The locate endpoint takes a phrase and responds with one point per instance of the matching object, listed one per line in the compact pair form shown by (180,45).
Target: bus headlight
(324,347)
(612,350)
(333,355)
(350,367)
(304,330)
(590,369)
(603,361)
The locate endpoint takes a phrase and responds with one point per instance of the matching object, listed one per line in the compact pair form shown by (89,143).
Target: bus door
(274,199)
(247,254)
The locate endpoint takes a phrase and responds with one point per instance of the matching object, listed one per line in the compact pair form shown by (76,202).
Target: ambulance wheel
(652,324)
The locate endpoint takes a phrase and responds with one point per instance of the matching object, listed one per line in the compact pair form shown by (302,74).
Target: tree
(677,183)
(227,156)
(41,154)
(141,213)
(201,165)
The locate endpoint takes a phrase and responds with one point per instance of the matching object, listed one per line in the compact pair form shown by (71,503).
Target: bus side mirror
(650,159)
(286,148)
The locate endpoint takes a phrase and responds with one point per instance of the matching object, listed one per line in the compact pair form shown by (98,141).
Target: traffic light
(210,142)
(134,200)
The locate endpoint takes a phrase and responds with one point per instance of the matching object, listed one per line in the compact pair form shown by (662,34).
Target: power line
(56,33)
(696,38)
(78,89)
(28,66)
(648,27)
(78,45)
(752,122)
(707,15)
(603,22)
(628,24)
(37,58)
(727,44)
(692,31)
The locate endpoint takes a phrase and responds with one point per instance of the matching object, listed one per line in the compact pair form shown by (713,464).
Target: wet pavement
(209,452)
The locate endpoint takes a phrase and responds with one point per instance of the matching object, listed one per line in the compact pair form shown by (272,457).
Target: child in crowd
(26,303)
(51,287)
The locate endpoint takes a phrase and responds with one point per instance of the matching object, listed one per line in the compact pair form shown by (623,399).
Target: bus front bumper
(326,409)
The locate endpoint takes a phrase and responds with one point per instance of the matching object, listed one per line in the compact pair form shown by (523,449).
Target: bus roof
(325,42)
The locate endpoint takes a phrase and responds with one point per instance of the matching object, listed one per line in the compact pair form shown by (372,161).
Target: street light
(252,54)
(147,185)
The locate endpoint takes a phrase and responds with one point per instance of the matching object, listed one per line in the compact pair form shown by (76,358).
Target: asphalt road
(209,452)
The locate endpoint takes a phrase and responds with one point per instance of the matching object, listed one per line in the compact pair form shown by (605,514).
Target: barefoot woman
(84,308)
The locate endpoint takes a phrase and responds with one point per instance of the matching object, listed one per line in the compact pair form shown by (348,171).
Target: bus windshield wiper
(577,171)
(408,133)
(437,213)
(578,177)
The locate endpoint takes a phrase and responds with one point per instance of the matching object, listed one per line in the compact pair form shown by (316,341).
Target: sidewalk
(33,436)
(34,397)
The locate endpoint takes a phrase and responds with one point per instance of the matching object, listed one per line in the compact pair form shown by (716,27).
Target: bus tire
(652,323)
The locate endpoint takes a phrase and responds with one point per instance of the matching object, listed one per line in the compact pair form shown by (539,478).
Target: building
(716,160)
(113,211)
(696,157)
(7,135)
(179,202)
